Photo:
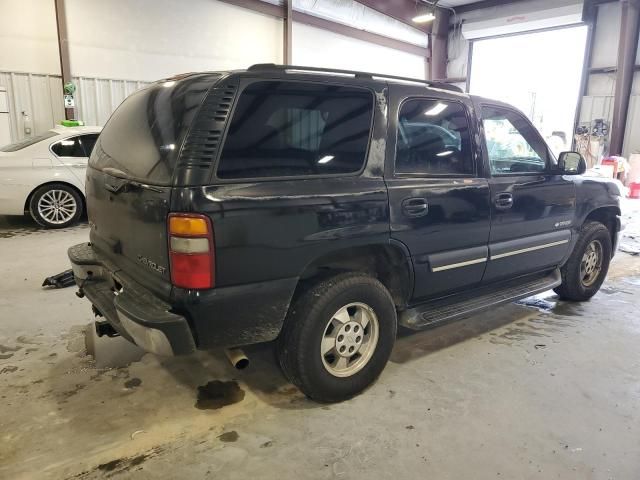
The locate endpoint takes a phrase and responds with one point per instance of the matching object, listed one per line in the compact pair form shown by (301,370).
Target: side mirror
(571,163)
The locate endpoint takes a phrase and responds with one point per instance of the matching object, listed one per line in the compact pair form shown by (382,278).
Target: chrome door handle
(503,201)
(415,207)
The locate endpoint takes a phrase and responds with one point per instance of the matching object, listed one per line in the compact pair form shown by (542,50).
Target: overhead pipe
(627,50)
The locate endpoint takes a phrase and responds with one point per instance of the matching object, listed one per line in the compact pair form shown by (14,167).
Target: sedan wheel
(56,205)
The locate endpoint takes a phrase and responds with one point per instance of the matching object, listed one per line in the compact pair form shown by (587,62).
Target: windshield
(14,147)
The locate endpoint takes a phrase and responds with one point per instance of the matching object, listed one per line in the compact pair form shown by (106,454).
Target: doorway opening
(538,72)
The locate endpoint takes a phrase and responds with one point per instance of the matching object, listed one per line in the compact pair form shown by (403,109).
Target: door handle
(415,207)
(503,201)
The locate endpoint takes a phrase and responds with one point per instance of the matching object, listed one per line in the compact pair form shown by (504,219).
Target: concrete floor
(541,389)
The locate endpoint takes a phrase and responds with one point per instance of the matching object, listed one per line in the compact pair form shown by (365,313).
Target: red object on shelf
(634,190)
(613,162)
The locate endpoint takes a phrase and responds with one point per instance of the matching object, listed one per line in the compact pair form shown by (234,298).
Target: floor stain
(5,349)
(70,393)
(9,369)
(613,291)
(231,436)
(133,383)
(568,309)
(121,465)
(217,394)
(110,466)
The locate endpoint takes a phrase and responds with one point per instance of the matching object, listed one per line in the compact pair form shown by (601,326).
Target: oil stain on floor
(231,436)
(217,394)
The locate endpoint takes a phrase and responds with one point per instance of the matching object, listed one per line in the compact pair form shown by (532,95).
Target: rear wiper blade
(126,182)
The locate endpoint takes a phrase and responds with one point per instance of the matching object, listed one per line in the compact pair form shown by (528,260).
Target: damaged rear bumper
(133,312)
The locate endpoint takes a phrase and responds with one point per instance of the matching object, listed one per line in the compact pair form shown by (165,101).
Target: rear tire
(56,205)
(587,267)
(338,336)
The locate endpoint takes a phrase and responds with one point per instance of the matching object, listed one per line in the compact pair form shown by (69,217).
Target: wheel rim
(349,340)
(57,206)
(591,263)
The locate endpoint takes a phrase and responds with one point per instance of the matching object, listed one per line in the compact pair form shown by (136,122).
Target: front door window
(513,145)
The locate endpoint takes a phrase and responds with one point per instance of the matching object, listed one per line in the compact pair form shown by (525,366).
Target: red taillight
(191,251)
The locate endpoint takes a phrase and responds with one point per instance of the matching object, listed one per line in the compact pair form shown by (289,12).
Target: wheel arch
(606,215)
(388,263)
(57,182)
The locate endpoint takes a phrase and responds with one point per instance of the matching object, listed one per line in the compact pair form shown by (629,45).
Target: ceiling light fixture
(425,13)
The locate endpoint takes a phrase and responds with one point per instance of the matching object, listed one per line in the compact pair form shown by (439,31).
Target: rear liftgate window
(142,138)
(283,129)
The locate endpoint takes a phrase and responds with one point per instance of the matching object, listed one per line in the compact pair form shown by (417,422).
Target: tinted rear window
(144,135)
(282,129)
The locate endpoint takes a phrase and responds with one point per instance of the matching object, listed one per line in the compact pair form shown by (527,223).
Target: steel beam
(63,49)
(359,34)
(627,50)
(438,42)
(288,33)
(260,7)
(590,17)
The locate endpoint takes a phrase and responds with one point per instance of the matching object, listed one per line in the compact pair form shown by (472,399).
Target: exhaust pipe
(237,358)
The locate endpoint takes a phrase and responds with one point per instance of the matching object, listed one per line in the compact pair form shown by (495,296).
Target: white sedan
(44,175)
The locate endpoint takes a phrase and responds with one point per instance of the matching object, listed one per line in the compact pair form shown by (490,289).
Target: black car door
(439,201)
(532,206)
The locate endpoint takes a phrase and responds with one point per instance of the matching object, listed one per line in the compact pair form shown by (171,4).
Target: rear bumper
(132,311)
(193,319)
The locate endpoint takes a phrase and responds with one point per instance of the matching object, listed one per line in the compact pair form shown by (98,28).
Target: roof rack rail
(281,68)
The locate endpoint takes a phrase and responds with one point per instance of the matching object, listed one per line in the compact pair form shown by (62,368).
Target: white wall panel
(607,36)
(39,98)
(28,36)
(153,39)
(317,47)
(632,137)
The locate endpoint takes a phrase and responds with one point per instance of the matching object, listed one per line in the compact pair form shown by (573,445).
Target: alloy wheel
(349,340)
(57,206)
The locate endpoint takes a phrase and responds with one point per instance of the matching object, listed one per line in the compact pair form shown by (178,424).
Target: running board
(454,307)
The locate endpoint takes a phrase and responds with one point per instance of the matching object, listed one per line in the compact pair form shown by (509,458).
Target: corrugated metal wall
(601,106)
(38,98)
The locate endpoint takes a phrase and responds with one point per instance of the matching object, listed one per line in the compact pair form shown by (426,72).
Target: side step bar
(458,306)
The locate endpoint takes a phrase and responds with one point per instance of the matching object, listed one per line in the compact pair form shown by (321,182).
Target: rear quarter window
(285,129)
(143,137)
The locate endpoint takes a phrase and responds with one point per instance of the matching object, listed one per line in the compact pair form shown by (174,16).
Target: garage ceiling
(405,10)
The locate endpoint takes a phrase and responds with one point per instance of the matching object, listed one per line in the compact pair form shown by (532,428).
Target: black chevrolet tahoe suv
(323,209)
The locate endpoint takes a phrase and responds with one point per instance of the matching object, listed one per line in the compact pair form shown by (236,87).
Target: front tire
(588,264)
(338,337)
(56,205)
